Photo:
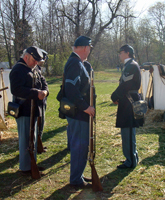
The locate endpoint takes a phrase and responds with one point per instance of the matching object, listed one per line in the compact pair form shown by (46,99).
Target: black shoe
(41,168)
(84,184)
(87,179)
(123,166)
(26,173)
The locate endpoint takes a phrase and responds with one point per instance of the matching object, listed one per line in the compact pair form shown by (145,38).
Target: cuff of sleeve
(114,97)
(33,94)
(83,106)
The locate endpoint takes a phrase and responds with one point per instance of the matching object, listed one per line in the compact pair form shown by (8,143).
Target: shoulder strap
(130,98)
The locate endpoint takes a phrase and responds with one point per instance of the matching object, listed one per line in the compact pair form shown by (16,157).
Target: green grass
(146,181)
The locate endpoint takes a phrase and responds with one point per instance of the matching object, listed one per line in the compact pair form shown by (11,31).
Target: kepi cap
(127,48)
(83,41)
(35,52)
(45,57)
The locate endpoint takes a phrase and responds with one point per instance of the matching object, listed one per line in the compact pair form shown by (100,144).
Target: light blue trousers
(23,125)
(78,139)
(129,146)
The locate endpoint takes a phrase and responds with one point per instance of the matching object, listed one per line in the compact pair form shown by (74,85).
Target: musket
(96,184)
(2,89)
(35,174)
(5,88)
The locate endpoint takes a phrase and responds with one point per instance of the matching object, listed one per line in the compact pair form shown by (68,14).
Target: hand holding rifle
(90,111)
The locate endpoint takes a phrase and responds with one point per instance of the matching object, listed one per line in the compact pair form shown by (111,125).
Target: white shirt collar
(126,60)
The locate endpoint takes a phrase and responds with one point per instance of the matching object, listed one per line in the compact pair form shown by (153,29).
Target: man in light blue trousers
(76,90)
(129,84)
(26,85)
(78,142)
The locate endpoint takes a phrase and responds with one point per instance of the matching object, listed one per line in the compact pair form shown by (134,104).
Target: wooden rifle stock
(34,169)
(96,184)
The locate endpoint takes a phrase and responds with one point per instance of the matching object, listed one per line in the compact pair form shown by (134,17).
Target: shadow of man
(54,159)
(12,182)
(158,158)
(109,182)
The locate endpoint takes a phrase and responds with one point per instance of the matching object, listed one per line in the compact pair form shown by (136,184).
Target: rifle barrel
(5,88)
(96,184)
(34,168)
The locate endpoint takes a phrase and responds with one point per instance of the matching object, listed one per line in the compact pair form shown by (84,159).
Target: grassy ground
(146,181)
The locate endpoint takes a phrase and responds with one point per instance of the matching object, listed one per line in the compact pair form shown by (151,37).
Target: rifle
(34,169)
(2,89)
(40,147)
(96,185)
(5,88)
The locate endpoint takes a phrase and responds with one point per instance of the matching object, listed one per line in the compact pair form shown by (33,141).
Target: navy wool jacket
(21,79)
(77,86)
(130,82)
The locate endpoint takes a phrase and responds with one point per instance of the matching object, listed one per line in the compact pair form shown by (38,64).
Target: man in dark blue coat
(41,119)
(76,89)
(130,82)
(21,83)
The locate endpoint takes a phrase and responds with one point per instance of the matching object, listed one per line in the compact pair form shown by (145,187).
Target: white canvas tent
(145,79)
(6,94)
(158,90)
(158,87)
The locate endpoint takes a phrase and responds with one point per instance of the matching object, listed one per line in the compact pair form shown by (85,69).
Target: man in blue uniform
(130,82)
(76,89)
(21,79)
(41,119)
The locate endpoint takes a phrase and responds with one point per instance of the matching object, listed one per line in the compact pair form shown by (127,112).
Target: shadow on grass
(113,114)
(106,103)
(158,158)
(14,182)
(54,159)
(109,182)
(52,133)
(112,104)
(9,141)
(9,163)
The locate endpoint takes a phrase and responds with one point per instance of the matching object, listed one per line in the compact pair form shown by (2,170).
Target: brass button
(12,112)
(67,107)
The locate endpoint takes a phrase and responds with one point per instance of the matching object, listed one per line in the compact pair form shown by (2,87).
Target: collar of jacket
(128,62)
(21,60)
(73,54)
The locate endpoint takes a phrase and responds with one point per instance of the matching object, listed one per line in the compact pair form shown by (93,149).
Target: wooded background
(53,25)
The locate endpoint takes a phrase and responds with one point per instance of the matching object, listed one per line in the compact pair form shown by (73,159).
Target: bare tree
(6,31)
(89,12)
(157,12)
(17,13)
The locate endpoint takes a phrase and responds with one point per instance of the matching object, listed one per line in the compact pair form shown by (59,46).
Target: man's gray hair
(24,53)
